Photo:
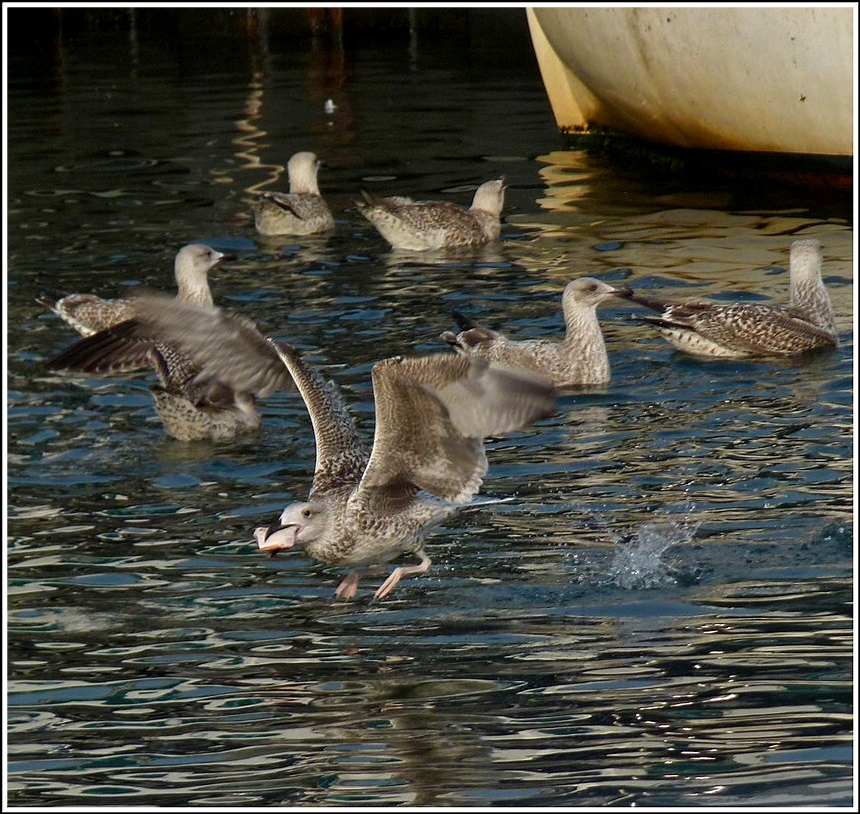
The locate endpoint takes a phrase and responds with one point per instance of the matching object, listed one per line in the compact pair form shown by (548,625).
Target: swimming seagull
(301,211)
(367,506)
(578,359)
(742,330)
(425,225)
(88,313)
(188,409)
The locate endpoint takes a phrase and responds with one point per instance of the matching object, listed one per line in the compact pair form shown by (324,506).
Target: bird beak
(276,537)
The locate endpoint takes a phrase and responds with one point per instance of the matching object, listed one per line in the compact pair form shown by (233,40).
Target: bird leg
(402,571)
(346,590)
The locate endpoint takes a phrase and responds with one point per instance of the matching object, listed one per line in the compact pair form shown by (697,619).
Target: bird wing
(301,205)
(341,457)
(437,215)
(432,414)
(757,328)
(87,313)
(221,346)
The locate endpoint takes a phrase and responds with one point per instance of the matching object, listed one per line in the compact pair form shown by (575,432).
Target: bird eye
(306,513)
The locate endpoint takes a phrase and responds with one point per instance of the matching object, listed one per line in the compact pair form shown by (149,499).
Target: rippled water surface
(658,613)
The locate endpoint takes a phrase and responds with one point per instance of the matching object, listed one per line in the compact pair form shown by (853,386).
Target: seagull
(302,211)
(367,505)
(87,313)
(578,359)
(188,409)
(426,225)
(749,329)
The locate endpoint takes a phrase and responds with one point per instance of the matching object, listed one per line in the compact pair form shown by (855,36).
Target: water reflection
(656,611)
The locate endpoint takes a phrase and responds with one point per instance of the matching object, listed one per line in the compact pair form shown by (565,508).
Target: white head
(299,524)
(589,292)
(302,169)
(804,262)
(191,269)
(490,197)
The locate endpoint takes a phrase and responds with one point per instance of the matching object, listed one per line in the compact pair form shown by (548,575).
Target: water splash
(639,561)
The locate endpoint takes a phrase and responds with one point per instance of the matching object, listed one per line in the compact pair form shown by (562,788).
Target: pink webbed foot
(346,590)
(402,571)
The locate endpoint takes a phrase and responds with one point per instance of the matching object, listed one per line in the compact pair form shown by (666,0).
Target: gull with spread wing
(188,410)
(367,505)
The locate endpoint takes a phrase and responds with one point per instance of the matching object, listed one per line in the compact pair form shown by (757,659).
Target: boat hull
(752,79)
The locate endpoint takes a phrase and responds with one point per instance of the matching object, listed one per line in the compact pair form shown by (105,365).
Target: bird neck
(304,186)
(812,298)
(196,293)
(579,323)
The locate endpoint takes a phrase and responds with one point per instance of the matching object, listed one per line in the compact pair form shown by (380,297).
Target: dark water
(659,614)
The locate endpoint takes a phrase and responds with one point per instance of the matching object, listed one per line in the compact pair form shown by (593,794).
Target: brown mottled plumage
(427,225)
(432,414)
(743,330)
(188,408)
(366,506)
(578,359)
(87,313)
(301,211)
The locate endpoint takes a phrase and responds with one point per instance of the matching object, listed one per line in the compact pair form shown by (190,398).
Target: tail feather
(49,297)
(463,322)
(657,321)
(368,199)
(451,338)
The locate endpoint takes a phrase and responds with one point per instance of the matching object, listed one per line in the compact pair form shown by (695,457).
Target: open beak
(276,537)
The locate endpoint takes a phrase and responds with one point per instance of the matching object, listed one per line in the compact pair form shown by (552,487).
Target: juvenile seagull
(424,225)
(301,211)
(188,409)
(87,313)
(742,330)
(578,359)
(367,506)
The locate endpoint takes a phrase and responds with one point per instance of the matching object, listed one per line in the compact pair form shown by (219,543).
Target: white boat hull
(765,79)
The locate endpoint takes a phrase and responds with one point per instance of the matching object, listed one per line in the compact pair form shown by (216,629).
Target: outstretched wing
(432,414)
(341,457)
(86,313)
(222,347)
